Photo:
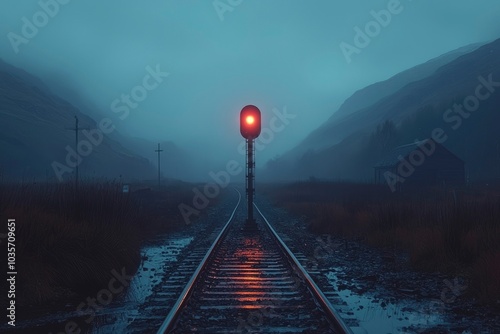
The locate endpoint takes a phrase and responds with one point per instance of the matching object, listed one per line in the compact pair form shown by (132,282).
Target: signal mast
(250,127)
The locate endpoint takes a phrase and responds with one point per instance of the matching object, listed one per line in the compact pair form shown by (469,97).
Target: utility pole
(159,152)
(76,129)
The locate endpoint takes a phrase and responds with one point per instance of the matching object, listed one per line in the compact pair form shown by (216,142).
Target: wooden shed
(424,162)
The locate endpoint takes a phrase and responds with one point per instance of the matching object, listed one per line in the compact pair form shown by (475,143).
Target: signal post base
(250,225)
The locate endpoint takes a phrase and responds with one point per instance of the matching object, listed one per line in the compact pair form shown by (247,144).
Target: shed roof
(392,159)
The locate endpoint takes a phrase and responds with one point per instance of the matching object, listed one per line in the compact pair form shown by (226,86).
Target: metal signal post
(250,126)
(250,178)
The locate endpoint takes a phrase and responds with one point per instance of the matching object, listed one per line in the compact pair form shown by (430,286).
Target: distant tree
(385,137)
(381,141)
(419,125)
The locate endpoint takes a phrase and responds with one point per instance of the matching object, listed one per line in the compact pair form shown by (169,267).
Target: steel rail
(169,321)
(328,308)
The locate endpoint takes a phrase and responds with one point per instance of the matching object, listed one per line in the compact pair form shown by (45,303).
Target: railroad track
(249,281)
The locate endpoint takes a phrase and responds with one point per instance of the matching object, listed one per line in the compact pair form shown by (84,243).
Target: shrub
(451,230)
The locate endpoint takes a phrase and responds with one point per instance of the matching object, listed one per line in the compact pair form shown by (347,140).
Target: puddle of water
(377,316)
(156,259)
(150,273)
(152,269)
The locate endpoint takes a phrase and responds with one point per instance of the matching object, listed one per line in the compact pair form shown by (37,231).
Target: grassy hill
(35,131)
(351,145)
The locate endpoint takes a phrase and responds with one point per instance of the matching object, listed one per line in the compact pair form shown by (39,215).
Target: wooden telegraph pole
(76,129)
(159,178)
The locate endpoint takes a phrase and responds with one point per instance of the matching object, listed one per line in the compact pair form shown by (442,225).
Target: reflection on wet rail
(249,281)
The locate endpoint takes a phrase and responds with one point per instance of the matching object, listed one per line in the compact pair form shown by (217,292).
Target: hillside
(352,144)
(35,131)
(335,130)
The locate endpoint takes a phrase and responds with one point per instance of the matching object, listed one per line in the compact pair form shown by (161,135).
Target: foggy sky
(274,54)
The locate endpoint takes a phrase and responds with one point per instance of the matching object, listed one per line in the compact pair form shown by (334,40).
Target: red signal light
(250,122)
